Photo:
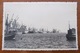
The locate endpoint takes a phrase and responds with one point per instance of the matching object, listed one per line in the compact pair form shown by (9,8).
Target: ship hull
(9,37)
(71,37)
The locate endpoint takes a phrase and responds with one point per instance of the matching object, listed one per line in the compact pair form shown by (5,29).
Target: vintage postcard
(40,26)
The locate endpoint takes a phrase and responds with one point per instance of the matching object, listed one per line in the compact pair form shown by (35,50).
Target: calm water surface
(35,41)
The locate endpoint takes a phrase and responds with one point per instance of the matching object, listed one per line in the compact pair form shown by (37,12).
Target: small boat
(11,35)
(71,35)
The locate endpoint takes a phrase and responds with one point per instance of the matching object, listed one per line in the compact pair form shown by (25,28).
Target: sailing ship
(10,31)
(71,35)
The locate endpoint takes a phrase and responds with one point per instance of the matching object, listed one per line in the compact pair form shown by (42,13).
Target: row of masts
(13,24)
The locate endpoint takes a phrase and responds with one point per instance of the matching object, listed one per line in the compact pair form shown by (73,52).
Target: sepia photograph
(40,26)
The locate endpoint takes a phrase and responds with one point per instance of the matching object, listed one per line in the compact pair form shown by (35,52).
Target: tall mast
(69,25)
(7,24)
(7,20)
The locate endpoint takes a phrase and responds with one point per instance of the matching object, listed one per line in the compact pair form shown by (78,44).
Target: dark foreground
(38,41)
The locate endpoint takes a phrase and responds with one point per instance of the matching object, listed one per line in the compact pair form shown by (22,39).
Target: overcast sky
(47,15)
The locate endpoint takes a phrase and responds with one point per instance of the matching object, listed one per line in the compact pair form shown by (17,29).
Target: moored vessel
(71,35)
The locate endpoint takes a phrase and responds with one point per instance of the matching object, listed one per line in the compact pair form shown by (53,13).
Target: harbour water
(40,41)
